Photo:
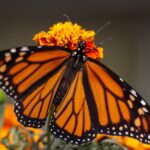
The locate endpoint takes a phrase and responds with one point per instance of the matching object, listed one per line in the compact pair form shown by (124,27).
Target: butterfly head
(86,49)
(81,45)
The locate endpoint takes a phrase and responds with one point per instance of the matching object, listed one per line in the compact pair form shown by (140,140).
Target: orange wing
(23,69)
(32,111)
(30,75)
(118,108)
(72,121)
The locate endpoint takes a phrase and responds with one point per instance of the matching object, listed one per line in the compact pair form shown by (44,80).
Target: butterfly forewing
(23,68)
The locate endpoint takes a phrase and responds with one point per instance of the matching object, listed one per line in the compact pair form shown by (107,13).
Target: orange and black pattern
(89,98)
(120,110)
(109,106)
(30,76)
(72,120)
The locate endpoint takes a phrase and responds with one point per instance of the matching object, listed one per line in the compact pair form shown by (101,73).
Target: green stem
(41,138)
(48,132)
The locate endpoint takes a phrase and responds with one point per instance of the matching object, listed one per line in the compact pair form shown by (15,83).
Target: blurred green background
(127,53)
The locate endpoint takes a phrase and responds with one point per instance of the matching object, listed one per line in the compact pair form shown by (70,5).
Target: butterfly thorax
(80,54)
(74,65)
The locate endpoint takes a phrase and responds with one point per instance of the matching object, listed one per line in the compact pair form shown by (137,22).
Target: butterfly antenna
(103,27)
(105,40)
(65,15)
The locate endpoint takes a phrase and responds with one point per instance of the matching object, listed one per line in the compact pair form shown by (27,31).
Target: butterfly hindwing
(118,108)
(33,110)
(71,120)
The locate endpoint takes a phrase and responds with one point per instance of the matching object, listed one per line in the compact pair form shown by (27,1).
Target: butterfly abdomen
(66,81)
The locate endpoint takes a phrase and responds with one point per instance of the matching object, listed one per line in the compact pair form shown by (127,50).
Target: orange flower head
(69,35)
(130,143)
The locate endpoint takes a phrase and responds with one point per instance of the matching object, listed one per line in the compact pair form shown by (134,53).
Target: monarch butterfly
(89,98)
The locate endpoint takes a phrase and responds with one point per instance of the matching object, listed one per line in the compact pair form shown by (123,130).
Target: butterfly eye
(81,45)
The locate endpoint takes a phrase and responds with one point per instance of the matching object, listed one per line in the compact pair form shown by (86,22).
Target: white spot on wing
(121,79)
(13,50)
(24,49)
(143,102)
(133,92)
(144,109)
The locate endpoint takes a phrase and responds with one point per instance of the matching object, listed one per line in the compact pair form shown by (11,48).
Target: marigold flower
(68,35)
(10,122)
(130,143)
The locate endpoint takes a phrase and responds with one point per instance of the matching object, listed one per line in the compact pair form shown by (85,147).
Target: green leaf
(1,115)
(2,97)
